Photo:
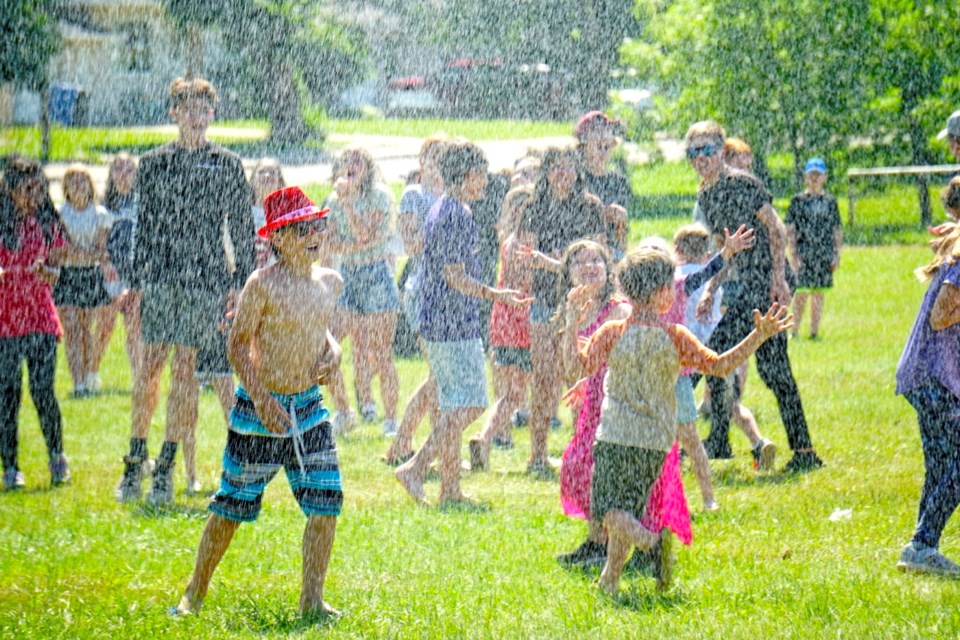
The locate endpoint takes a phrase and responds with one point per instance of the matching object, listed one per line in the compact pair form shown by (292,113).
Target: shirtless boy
(281,350)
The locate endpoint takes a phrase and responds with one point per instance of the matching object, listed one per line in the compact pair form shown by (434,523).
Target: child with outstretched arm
(281,350)
(638,423)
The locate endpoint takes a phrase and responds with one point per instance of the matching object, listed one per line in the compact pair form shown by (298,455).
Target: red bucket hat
(287,206)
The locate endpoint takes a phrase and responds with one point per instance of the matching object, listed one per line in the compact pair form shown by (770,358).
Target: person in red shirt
(32,244)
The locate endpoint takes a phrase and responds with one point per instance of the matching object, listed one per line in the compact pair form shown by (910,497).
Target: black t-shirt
(612,188)
(735,200)
(555,225)
(814,217)
(184,199)
(486,214)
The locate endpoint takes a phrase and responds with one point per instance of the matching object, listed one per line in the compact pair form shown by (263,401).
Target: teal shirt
(378,200)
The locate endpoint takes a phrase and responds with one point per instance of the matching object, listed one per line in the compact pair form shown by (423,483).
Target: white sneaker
(343,422)
(93,382)
(390,428)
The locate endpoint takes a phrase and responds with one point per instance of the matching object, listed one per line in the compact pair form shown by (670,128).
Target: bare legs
(443,443)
(623,532)
(80,342)
(511,385)
(816,310)
(546,390)
(691,443)
(317,544)
(373,355)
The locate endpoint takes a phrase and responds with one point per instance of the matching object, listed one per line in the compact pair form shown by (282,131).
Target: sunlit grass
(769,564)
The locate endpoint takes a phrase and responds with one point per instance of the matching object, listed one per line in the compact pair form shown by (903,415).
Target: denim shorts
(461,372)
(368,289)
(686,403)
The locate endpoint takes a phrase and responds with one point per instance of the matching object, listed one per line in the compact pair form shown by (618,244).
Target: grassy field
(771,563)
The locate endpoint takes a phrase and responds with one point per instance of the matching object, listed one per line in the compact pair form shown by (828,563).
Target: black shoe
(644,563)
(806,461)
(588,554)
(717,450)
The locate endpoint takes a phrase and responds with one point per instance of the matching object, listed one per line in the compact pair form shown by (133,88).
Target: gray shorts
(176,315)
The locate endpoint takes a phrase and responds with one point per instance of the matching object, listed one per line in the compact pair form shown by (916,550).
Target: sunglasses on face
(707,151)
(305,227)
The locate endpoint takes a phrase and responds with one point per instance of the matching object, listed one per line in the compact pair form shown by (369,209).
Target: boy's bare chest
(308,307)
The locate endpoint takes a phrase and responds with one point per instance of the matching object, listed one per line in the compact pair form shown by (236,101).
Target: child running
(928,376)
(282,351)
(638,424)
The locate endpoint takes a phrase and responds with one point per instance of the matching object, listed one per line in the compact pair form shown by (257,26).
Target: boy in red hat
(282,351)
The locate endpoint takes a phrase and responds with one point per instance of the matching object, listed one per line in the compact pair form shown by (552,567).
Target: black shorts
(512,357)
(81,287)
(622,478)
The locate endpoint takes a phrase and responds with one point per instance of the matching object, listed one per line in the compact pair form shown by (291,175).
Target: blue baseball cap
(815,164)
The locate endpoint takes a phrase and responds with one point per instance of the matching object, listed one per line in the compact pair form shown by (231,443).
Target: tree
(783,74)
(30,40)
(291,49)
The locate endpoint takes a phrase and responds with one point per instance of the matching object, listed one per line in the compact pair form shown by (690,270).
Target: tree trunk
(193,52)
(45,123)
(283,105)
(919,158)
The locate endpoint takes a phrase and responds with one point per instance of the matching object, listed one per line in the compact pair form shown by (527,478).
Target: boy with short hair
(187,193)
(815,235)
(281,350)
(449,317)
(638,424)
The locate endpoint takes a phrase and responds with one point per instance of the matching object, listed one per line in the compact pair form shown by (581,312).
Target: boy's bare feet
(322,612)
(462,502)
(188,606)
(409,481)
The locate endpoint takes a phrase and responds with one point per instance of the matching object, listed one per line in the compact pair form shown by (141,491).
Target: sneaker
(663,570)
(130,489)
(916,558)
(479,455)
(503,442)
(520,418)
(343,422)
(194,488)
(717,450)
(93,382)
(79,391)
(389,427)
(161,491)
(764,455)
(59,471)
(588,554)
(805,461)
(13,479)
(711,505)
(369,412)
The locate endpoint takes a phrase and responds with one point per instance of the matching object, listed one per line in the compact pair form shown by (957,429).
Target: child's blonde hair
(644,272)
(692,241)
(946,250)
(514,203)
(78,170)
(950,197)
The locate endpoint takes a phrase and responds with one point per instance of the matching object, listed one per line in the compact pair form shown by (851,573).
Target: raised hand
(777,318)
(740,240)
(576,395)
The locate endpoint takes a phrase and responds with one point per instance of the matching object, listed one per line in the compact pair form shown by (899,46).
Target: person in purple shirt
(928,375)
(449,317)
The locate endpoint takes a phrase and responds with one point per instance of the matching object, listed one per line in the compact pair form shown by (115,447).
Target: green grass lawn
(769,564)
